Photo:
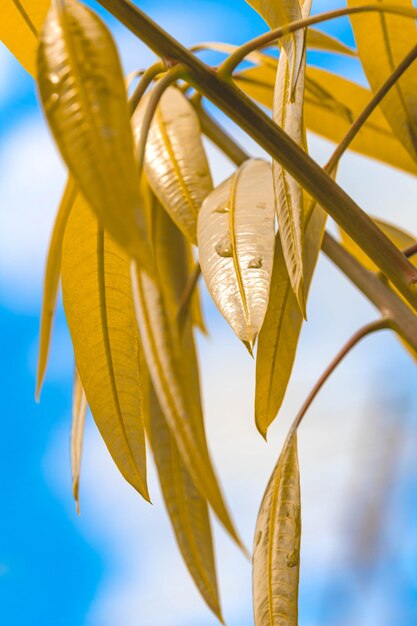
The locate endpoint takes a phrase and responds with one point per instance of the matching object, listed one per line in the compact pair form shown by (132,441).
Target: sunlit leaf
(277,14)
(51,280)
(175,162)
(276,553)
(278,339)
(287,112)
(331,104)
(399,237)
(383,40)
(79,410)
(20,24)
(171,360)
(236,243)
(84,97)
(187,509)
(99,309)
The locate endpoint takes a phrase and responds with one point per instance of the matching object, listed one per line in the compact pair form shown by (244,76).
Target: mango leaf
(99,309)
(331,104)
(175,162)
(236,243)
(51,279)
(399,237)
(187,509)
(287,112)
(278,339)
(20,24)
(383,40)
(172,364)
(79,410)
(277,14)
(276,554)
(84,98)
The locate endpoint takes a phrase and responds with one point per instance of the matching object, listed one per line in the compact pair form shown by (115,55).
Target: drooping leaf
(170,356)
(84,97)
(187,509)
(277,14)
(51,279)
(383,40)
(99,309)
(236,243)
(399,237)
(79,410)
(278,339)
(276,553)
(331,104)
(175,162)
(20,24)
(287,112)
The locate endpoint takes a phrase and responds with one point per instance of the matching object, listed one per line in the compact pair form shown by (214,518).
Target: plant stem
(280,147)
(219,136)
(227,67)
(363,332)
(144,83)
(411,251)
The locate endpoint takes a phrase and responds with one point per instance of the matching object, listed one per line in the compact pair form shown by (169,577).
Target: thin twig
(411,251)
(187,294)
(145,81)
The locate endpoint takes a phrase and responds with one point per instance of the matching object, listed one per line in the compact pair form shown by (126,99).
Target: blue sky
(117,563)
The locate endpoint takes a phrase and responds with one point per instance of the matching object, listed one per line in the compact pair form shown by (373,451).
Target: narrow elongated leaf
(287,112)
(175,162)
(278,339)
(236,243)
(99,309)
(51,280)
(171,360)
(276,554)
(79,410)
(187,509)
(383,40)
(84,97)
(277,14)
(331,104)
(20,24)
(399,237)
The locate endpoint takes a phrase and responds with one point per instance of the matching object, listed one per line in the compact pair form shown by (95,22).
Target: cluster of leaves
(140,196)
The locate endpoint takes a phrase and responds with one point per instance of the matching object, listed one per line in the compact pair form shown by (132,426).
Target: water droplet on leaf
(292,558)
(255,263)
(224,247)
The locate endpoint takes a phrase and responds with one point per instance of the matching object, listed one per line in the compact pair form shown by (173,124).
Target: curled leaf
(236,243)
(99,309)
(79,410)
(84,98)
(175,162)
(20,24)
(276,553)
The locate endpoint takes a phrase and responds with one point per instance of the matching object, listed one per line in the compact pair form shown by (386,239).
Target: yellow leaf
(287,112)
(51,279)
(322,41)
(172,364)
(84,97)
(99,309)
(278,339)
(399,237)
(79,410)
(383,40)
(276,553)
(187,509)
(277,14)
(20,24)
(236,243)
(330,106)
(175,162)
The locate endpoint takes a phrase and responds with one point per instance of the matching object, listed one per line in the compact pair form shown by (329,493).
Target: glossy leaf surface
(99,309)
(20,24)
(383,40)
(236,243)
(79,410)
(84,98)
(276,555)
(175,162)
(331,104)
